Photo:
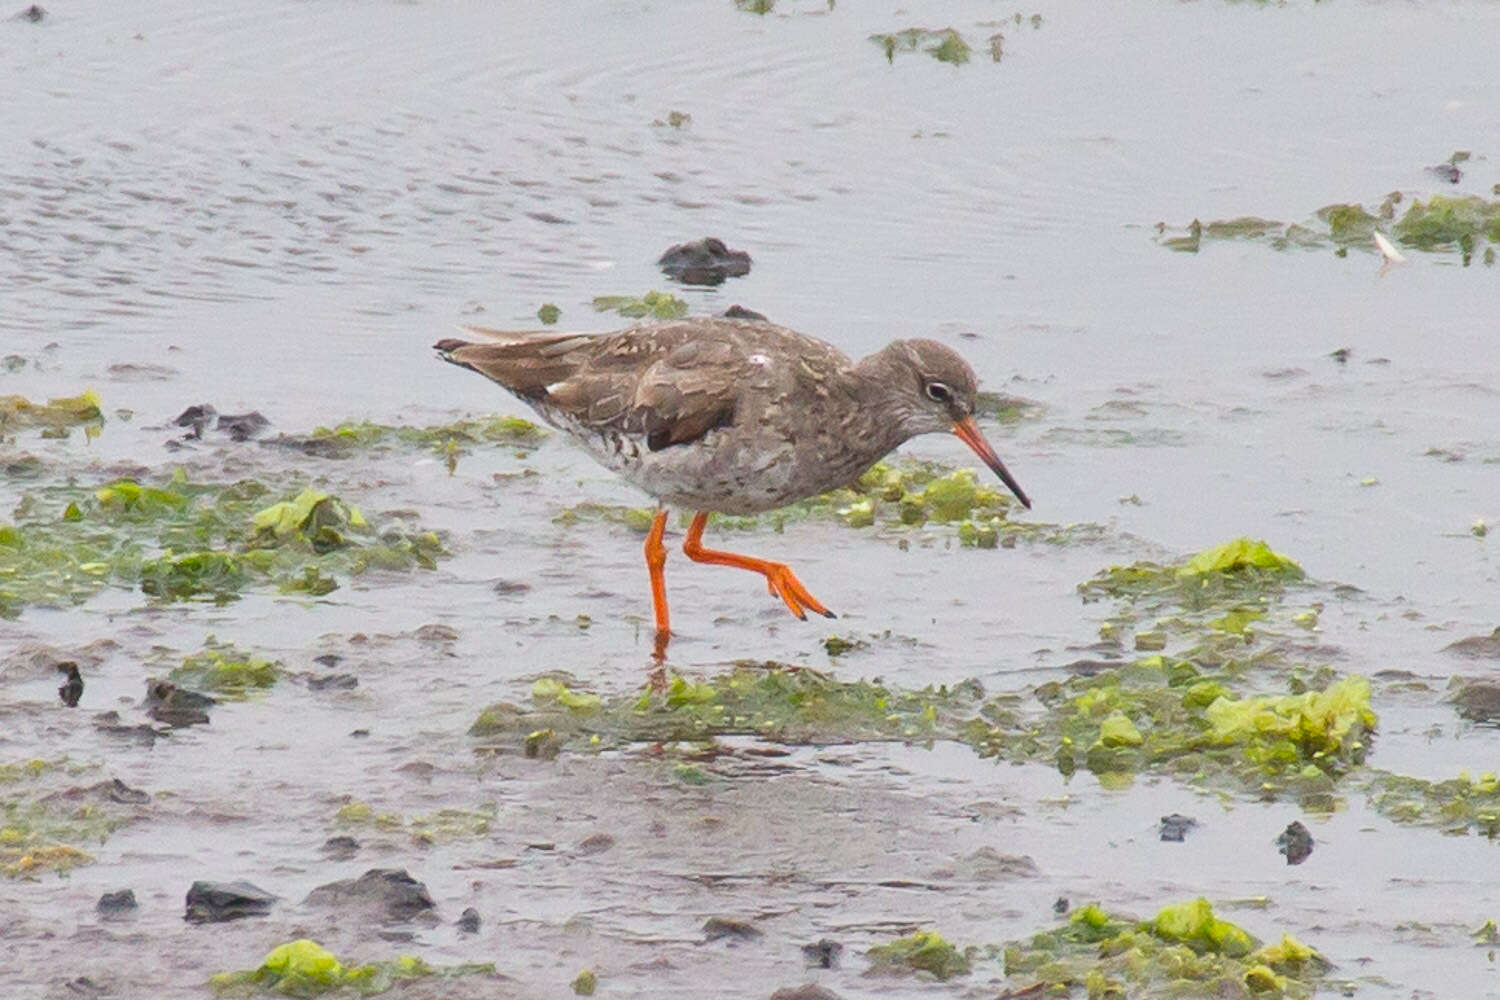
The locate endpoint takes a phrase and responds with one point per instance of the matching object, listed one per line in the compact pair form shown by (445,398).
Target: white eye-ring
(938,392)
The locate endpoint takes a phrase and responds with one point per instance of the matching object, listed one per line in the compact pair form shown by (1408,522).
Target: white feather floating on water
(1388,249)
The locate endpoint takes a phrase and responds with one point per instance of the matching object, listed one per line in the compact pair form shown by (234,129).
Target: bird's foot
(783,583)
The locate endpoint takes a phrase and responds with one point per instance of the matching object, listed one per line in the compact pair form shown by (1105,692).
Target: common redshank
(731,415)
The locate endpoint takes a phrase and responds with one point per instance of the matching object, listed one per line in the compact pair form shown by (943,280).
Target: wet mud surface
(325,609)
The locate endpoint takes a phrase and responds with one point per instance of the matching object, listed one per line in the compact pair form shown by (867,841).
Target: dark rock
(35,14)
(596,843)
(437,633)
(1174,828)
(704,262)
(337,682)
(114,790)
(242,426)
(1296,842)
(823,953)
(177,707)
(328,660)
(1061,905)
(1446,172)
(508,588)
(387,893)
(197,418)
(1341,355)
(468,921)
(116,904)
(1477,647)
(740,312)
(340,848)
(72,688)
(109,724)
(1479,701)
(727,927)
(216,902)
(807,991)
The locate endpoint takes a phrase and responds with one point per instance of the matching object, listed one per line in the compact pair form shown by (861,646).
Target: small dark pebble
(116,903)
(1174,828)
(359,734)
(72,688)
(823,953)
(340,848)
(35,14)
(437,633)
(334,681)
(328,659)
(727,927)
(704,262)
(1061,905)
(468,921)
(507,588)
(215,902)
(740,312)
(242,426)
(1296,842)
(807,991)
(1341,355)
(389,893)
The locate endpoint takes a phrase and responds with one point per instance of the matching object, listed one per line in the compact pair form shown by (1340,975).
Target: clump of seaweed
(226,670)
(44,818)
(657,305)
(191,541)
(304,968)
(943,44)
(787,705)
(54,417)
(1185,949)
(924,951)
(1441,223)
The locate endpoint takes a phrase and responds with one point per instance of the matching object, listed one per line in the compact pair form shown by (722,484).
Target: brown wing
(670,383)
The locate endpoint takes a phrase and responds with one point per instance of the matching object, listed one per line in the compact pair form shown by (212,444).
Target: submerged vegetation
(54,417)
(1467,224)
(304,968)
(654,304)
(182,540)
(46,820)
(347,440)
(1184,950)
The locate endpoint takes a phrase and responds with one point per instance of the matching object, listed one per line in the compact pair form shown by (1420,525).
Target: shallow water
(281,207)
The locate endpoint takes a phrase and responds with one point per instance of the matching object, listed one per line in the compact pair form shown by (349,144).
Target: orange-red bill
(969,433)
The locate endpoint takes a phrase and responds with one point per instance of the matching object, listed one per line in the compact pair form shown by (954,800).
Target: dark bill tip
(969,433)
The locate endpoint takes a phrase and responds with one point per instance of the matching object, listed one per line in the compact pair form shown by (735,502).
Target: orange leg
(656,559)
(780,579)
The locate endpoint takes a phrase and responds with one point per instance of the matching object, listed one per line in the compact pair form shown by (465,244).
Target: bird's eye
(938,392)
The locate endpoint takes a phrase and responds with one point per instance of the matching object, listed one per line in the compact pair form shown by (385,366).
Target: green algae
(924,951)
(180,540)
(1441,223)
(304,968)
(1462,804)
(225,670)
(351,439)
(44,817)
(1185,950)
(440,826)
(787,705)
(584,983)
(1240,570)
(654,304)
(943,44)
(548,314)
(17,413)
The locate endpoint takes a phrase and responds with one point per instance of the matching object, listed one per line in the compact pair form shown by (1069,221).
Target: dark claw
(829,614)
